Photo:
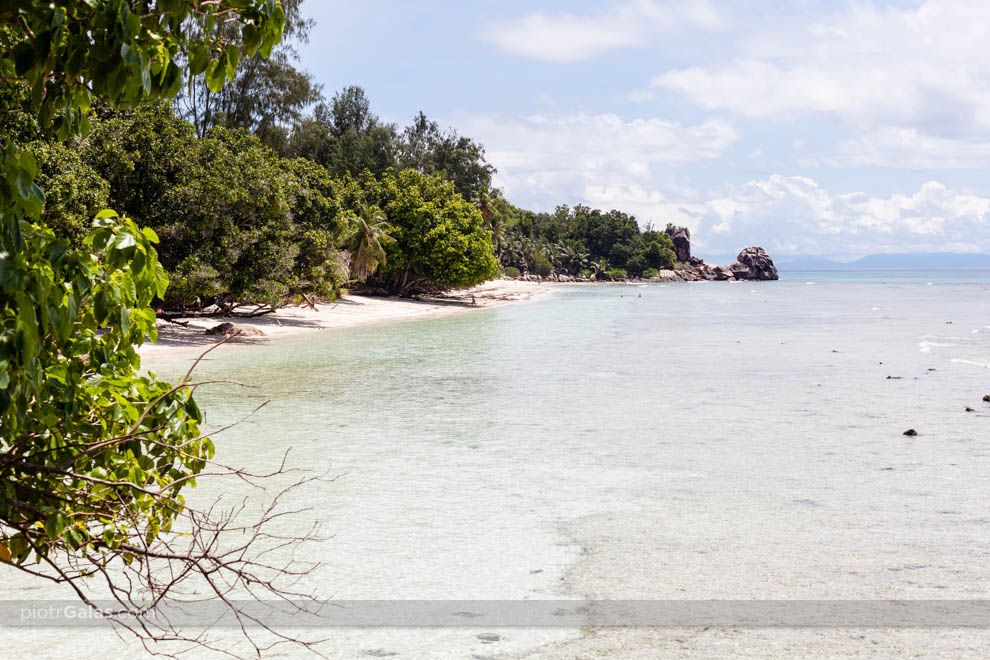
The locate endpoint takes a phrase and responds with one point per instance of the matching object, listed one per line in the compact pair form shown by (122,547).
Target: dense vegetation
(581,241)
(93,453)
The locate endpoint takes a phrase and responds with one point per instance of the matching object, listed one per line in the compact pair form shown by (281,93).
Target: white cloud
(911,149)
(607,162)
(567,37)
(925,66)
(544,160)
(915,82)
(795,215)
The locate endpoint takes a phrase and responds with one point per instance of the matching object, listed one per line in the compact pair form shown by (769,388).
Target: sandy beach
(348,312)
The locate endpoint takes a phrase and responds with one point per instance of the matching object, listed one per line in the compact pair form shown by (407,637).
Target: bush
(617,273)
(511,271)
(650,272)
(540,265)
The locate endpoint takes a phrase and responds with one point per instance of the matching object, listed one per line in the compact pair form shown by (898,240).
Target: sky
(837,129)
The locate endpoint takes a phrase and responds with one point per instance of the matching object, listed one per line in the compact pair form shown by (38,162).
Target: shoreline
(347,312)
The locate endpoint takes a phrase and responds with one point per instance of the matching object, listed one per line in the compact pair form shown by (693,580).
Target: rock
(225,329)
(564,278)
(754,263)
(230,330)
(681,238)
(910,433)
(968,409)
(723,273)
(987,398)
(488,638)
(667,275)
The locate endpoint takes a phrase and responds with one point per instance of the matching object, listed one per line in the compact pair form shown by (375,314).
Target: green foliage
(266,93)
(346,137)
(365,243)
(74,192)
(237,221)
(650,272)
(89,434)
(92,454)
(435,238)
(511,271)
(617,274)
(76,51)
(582,239)
(456,158)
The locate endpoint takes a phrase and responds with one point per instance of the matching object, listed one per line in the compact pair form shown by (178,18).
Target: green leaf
(55,524)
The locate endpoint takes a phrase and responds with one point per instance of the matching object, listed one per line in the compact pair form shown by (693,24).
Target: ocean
(684,441)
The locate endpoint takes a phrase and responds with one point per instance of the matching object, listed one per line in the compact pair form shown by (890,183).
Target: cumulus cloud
(567,37)
(923,66)
(551,159)
(795,215)
(915,82)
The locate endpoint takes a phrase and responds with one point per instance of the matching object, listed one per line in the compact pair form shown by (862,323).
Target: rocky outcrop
(754,263)
(681,237)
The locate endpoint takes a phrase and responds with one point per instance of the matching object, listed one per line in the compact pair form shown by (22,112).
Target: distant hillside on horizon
(890,261)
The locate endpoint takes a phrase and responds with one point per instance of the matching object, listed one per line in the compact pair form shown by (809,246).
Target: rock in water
(987,398)
(910,433)
(681,238)
(754,263)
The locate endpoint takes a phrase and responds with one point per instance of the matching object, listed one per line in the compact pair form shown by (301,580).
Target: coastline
(347,312)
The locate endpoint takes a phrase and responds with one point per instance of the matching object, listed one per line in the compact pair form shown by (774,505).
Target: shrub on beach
(618,273)
(650,272)
(511,271)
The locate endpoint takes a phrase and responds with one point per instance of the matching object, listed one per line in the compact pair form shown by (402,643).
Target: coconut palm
(485,200)
(368,227)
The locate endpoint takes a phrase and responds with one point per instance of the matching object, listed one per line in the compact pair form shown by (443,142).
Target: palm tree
(365,242)
(485,200)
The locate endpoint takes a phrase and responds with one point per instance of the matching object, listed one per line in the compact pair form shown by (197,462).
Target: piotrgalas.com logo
(75,613)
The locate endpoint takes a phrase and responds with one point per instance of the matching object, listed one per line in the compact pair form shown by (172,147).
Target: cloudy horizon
(829,129)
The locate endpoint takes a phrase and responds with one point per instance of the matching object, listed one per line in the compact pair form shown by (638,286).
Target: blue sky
(828,128)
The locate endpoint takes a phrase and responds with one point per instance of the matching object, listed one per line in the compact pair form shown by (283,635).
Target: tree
(365,242)
(346,137)
(266,94)
(94,455)
(436,238)
(457,159)
(238,223)
(485,201)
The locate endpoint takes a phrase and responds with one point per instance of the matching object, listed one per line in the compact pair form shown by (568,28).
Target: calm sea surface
(680,441)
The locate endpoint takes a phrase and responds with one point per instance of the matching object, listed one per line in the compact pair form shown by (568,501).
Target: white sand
(348,312)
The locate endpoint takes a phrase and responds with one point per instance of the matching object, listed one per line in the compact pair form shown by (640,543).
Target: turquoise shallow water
(703,440)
